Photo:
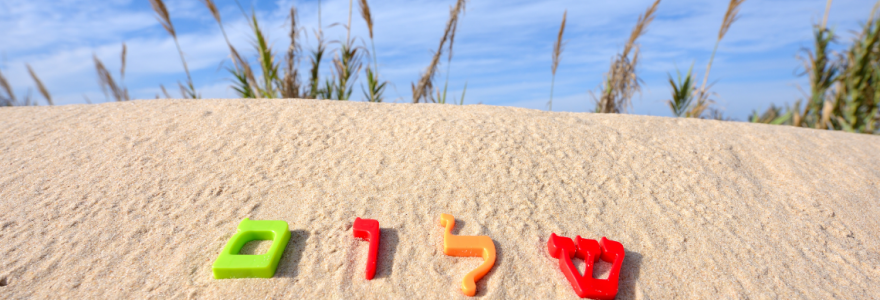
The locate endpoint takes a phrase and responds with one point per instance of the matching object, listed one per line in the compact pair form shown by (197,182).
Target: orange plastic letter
(468,246)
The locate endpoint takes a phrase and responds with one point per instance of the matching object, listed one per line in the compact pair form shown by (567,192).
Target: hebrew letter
(468,246)
(585,286)
(368,229)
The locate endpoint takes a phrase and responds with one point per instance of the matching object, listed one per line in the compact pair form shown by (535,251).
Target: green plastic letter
(231,264)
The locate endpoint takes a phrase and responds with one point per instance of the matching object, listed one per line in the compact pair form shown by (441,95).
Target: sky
(502,51)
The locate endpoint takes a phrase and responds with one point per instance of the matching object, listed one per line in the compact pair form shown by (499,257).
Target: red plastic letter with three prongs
(585,286)
(368,229)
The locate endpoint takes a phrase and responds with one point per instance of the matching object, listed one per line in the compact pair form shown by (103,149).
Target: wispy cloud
(502,50)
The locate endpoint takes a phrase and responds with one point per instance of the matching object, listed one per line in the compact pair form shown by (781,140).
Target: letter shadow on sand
(629,275)
(483,284)
(293,253)
(387,249)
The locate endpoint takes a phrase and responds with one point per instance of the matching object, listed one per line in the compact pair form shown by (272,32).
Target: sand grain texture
(135,200)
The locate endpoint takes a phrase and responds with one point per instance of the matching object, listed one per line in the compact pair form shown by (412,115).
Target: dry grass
(273,83)
(621,81)
(842,95)
(290,84)
(214,12)
(346,63)
(441,98)
(375,88)
(843,91)
(825,16)
(106,81)
(188,91)
(856,103)
(315,60)
(348,28)
(452,34)
(122,66)
(729,17)
(244,75)
(163,17)
(557,52)
(9,99)
(365,13)
(821,71)
(40,87)
(702,94)
(641,27)
(422,90)
(244,78)
(317,55)
(164,92)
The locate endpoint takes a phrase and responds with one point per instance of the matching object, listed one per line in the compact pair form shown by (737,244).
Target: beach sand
(136,200)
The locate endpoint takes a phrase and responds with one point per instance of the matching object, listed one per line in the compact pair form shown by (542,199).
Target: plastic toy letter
(231,264)
(468,246)
(368,229)
(590,251)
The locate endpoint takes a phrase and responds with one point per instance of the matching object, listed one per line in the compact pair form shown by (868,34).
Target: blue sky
(502,49)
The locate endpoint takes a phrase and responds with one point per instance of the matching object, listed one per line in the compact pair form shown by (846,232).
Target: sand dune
(135,200)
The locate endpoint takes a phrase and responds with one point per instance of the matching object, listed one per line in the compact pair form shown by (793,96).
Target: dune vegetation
(841,94)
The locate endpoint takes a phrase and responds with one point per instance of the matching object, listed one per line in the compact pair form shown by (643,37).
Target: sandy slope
(135,200)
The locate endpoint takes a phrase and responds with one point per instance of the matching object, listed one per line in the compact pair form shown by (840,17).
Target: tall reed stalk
(374,89)
(822,72)
(243,75)
(346,64)
(290,85)
(105,79)
(702,93)
(441,98)
(40,87)
(621,82)
(9,99)
(422,89)
(315,90)
(188,91)
(557,52)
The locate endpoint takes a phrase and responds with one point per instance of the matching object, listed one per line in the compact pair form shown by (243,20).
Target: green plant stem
(462,94)
(376,70)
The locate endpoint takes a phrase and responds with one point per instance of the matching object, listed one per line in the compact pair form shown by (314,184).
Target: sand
(136,199)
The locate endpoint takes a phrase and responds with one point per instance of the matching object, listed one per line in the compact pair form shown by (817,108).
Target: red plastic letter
(368,229)
(585,286)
